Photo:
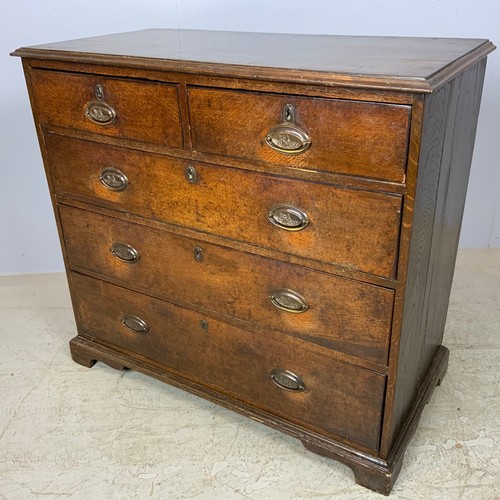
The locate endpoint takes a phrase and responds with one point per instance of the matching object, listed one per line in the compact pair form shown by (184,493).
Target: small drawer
(352,228)
(348,137)
(130,109)
(348,316)
(320,393)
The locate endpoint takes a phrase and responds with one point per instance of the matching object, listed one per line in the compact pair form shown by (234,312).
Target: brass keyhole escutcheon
(198,254)
(191,174)
(99,92)
(204,324)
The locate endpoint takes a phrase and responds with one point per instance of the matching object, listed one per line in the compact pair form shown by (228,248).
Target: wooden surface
(353,138)
(383,186)
(145,111)
(419,64)
(448,132)
(452,189)
(236,362)
(344,315)
(352,228)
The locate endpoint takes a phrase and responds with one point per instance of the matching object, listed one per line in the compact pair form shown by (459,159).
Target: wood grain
(449,124)
(351,317)
(216,239)
(415,142)
(399,63)
(453,180)
(353,138)
(352,228)
(322,176)
(145,111)
(236,362)
(219,81)
(436,110)
(392,122)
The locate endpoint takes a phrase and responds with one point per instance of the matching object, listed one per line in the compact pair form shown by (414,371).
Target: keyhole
(204,325)
(288,113)
(198,254)
(191,175)
(99,91)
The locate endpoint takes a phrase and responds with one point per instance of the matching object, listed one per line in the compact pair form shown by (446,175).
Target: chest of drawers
(267,221)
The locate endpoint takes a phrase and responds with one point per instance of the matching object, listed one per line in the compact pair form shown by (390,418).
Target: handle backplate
(100,112)
(135,323)
(113,179)
(287,380)
(288,217)
(124,252)
(288,300)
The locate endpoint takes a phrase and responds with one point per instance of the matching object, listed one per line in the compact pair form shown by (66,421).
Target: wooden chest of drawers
(268,221)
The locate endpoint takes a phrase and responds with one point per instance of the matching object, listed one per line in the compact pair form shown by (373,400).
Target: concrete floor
(70,432)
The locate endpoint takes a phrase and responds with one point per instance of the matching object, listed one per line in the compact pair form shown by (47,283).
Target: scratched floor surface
(71,432)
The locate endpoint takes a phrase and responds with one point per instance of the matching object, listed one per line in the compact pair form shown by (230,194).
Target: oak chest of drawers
(268,221)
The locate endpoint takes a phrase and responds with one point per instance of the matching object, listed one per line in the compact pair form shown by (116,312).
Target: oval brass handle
(288,217)
(98,111)
(135,323)
(124,252)
(288,300)
(287,137)
(287,380)
(113,179)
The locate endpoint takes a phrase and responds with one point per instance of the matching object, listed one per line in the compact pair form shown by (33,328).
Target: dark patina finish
(274,230)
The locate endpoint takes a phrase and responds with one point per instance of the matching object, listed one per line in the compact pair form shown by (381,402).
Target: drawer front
(348,316)
(337,398)
(130,109)
(354,138)
(352,228)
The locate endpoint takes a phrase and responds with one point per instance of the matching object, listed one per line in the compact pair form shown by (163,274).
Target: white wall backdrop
(28,239)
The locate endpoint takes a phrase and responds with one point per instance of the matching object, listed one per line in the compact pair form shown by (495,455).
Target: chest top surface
(399,63)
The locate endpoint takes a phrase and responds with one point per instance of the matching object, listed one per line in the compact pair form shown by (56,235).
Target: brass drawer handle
(287,380)
(124,252)
(288,217)
(113,179)
(135,323)
(288,300)
(98,111)
(287,137)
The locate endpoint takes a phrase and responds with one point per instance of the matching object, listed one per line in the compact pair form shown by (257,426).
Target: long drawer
(356,138)
(349,316)
(352,228)
(130,109)
(315,391)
